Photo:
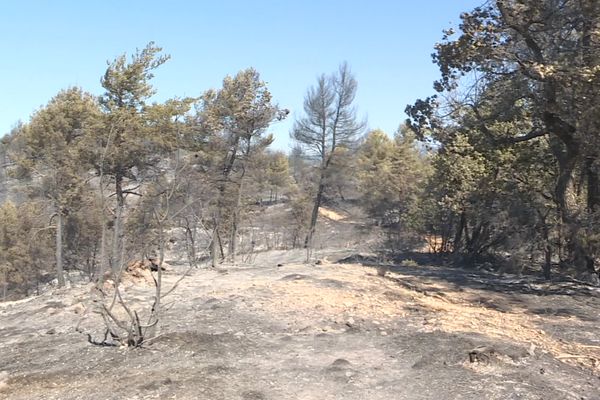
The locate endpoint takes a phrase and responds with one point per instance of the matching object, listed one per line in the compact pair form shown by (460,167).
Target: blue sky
(50,45)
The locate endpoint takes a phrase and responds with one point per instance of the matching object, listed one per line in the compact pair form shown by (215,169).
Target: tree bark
(156,307)
(308,242)
(191,242)
(102,263)
(59,254)
(233,238)
(547,261)
(593,200)
(459,233)
(235,221)
(547,268)
(214,247)
(117,250)
(593,192)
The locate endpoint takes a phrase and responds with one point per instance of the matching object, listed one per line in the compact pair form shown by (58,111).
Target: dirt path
(329,331)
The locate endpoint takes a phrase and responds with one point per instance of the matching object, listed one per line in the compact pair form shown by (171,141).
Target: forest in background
(499,167)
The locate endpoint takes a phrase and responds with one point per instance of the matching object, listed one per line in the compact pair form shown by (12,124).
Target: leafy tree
(340,178)
(236,118)
(329,123)
(53,141)
(301,170)
(135,134)
(24,244)
(392,174)
(376,178)
(83,228)
(518,71)
(278,174)
(268,175)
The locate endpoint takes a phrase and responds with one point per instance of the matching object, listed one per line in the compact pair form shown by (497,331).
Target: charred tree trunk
(459,233)
(547,267)
(233,238)
(547,261)
(191,242)
(228,164)
(236,218)
(593,200)
(156,306)
(60,276)
(593,189)
(214,248)
(308,242)
(117,247)
(103,255)
(568,156)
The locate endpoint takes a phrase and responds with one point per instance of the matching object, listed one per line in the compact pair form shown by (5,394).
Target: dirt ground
(306,331)
(280,328)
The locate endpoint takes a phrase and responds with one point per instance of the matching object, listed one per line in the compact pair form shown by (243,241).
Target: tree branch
(531,135)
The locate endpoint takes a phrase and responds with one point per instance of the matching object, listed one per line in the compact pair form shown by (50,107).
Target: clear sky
(50,45)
